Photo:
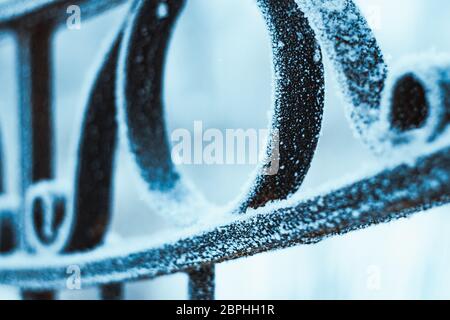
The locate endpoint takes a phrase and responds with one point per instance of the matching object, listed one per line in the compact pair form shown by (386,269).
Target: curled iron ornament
(415,110)
(294,26)
(297,111)
(46,218)
(298,94)
(405,109)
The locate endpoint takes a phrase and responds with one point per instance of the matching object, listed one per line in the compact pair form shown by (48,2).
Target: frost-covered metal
(48,227)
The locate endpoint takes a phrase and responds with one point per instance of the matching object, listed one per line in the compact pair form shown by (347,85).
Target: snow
(282,224)
(362,74)
(161,186)
(431,70)
(346,38)
(296,61)
(357,60)
(163,10)
(293,217)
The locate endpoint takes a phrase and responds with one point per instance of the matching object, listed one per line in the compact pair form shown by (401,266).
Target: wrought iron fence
(48,230)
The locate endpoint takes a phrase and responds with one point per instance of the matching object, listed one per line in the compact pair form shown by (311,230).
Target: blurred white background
(219,71)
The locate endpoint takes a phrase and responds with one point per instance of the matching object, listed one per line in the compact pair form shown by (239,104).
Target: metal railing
(48,229)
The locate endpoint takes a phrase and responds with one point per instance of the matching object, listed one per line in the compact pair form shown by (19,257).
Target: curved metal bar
(363,77)
(297,111)
(8,232)
(391,194)
(95,168)
(142,61)
(201,284)
(298,104)
(46,218)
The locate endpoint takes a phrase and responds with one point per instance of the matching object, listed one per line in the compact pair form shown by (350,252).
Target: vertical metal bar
(35,118)
(38,295)
(112,291)
(8,231)
(35,89)
(3,181)
(202,283)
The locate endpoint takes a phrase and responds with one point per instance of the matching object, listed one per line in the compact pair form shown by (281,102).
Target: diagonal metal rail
(389,195)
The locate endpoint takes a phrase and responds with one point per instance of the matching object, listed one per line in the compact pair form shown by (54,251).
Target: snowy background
(219,72)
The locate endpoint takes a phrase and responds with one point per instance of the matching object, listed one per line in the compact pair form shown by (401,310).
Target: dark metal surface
(36,117)
(96,154)
(30,13)
(73,233)
(35,80)
(39,295)
(297,110)
(8,232)
(34,23)
(201,284)
(392,194)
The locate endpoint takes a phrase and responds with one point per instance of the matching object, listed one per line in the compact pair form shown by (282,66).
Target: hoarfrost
(390,194)
(276,216)
(295,119)
(416,106)
(349,43)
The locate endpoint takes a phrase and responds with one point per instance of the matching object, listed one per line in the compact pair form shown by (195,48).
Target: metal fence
(49,232)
